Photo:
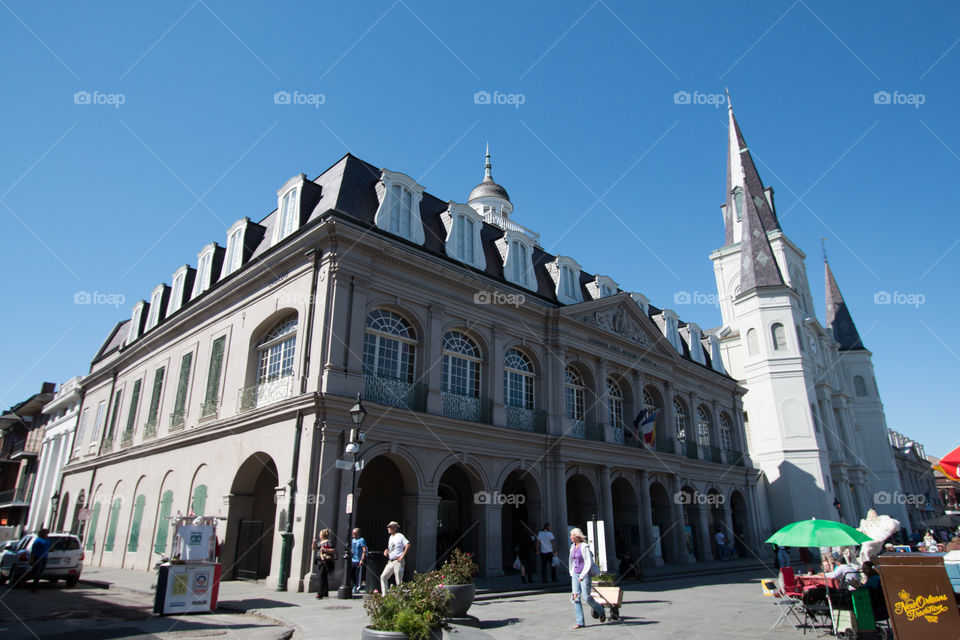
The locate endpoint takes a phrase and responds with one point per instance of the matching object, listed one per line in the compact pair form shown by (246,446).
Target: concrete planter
(371,634)
(462,599)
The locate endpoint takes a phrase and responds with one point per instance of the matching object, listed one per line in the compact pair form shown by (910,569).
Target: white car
(64,560)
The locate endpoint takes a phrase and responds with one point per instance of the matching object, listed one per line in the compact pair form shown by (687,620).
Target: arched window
(615,403)
(574,392)
(779,337)
(752,346)
(389,346)
(860,385)
(726,433)
(703,427)
(461,365)
(679,420)
(276,350)
(648,402)
(518,379)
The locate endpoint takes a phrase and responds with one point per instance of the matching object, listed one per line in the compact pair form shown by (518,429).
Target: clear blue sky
(113,198)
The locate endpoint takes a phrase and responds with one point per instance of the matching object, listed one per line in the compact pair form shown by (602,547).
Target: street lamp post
(357,414)
(54,508)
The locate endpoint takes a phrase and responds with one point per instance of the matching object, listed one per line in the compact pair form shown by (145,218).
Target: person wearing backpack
(582,567)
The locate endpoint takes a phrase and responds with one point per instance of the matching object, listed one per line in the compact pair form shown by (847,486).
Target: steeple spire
(487,174)
(758,267)
(838,315)
(743,179)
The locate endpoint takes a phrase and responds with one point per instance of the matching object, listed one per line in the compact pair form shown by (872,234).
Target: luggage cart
(609,597)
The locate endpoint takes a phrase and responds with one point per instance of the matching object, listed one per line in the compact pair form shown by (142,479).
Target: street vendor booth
(190,581)
(919,596)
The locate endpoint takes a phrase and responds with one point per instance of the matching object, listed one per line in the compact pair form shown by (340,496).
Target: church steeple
(743,183)
(758,267)
(838,315)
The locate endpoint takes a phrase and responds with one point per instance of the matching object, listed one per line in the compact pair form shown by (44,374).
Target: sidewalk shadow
(476,623)
(253,603)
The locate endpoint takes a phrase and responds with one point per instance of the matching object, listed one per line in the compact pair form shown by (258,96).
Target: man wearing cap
(396,551)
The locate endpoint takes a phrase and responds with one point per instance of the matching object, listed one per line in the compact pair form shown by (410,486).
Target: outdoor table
(816,580)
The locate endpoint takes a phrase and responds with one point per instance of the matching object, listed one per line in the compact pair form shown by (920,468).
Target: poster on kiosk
(190,581)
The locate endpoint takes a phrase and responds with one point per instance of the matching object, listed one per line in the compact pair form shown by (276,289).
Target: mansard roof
(347,190)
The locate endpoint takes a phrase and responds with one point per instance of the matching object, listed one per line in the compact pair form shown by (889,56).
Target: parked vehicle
(64,560)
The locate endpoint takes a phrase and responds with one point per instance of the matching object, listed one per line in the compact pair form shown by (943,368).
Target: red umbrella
(949,464)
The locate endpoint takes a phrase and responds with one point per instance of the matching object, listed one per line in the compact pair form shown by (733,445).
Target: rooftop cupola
(488,197)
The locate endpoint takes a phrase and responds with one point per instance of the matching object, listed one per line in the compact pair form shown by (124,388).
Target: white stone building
(814,420)
(61,414)
(488,367)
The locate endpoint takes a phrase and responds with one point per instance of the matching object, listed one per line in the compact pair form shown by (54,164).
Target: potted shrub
(605,579)
(413,610)
(458,575)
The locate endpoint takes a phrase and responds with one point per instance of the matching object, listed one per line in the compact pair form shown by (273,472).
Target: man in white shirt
(396,551)
(722,548)
(548,550)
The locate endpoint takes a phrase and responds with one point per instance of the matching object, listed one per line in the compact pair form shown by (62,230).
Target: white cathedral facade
(814,421)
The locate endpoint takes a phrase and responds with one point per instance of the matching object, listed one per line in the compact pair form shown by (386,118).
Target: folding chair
(786,604)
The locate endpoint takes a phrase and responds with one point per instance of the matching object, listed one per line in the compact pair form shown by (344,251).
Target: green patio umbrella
(817,533)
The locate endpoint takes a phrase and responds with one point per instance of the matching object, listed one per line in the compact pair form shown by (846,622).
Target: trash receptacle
(376,562)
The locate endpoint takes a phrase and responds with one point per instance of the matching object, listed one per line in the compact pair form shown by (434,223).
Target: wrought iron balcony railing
(711,453)
(594,431)
(209,409)
(126,439)
(394,392)
(530,420)
(471,408)
(577,428)
(665,445)
(734,457)
(618,436)
(264,393)
(177,419)
(150,428)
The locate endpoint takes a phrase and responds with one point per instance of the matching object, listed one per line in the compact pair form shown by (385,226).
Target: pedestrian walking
(38,556)
(548,552)
(358,552)
(396,551)
(581,566)
(326,557)
(525,551)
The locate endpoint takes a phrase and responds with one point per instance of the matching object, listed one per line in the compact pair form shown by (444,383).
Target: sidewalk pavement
(503,602)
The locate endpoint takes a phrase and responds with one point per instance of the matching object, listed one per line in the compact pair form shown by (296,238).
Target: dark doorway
(252,517)
(248,550)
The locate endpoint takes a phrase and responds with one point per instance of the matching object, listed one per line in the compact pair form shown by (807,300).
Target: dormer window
(135,321)
(566,278)
(177,290)
(156,302)
(671,329)
(602,286)
(234,247)
(696,346)
(399,211)
(288,208)
(463,234)
(204,270)
(516,249)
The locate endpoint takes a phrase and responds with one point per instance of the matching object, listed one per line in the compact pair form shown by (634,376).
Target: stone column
(715,426)
(603,405)
(649,558)
(703,512)
(495,375)
(433,368)
(328,495)
(682,555)
(692,431)
(353,359)
(420,527)
(491,563)
(668,419)
(558,520)
(606,498)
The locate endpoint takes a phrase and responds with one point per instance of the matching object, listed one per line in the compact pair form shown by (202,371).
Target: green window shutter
(182,387)
(138,506)
(92,529)
(199,499)
(113,517)
(113,417)
(155,397)
(132,413)
(213,376)
(163,526)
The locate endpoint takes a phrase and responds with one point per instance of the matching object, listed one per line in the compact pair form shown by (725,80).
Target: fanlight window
(615,404)
(574,392)
(679,420)
(518,379)
(276,351)
(461,365)
(726,433)
(703,428)
(389,346)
